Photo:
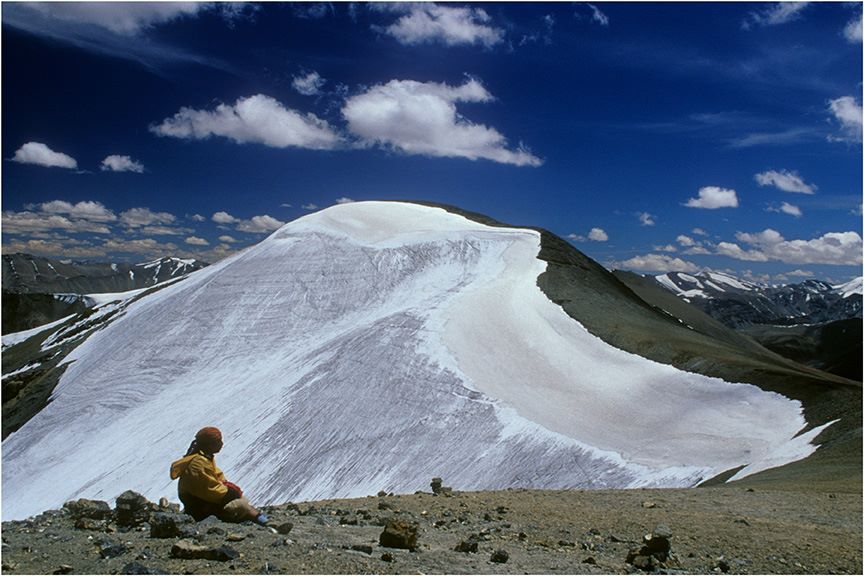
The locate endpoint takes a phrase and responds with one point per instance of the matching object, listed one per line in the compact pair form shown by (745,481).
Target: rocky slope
(732,529)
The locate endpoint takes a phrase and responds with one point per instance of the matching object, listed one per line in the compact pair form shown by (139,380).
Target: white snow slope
(373,346)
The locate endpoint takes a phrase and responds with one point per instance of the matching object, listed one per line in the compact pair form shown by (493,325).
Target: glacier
(371,346)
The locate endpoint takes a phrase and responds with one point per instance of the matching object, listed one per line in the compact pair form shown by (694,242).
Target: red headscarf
(208,435)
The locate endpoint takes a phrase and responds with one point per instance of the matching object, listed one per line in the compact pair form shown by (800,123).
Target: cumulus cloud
(223,218)
(685,241)
(426,23)
(41,155)
(840,248)
(598,235)
(256,119)
(29,222)
(847,111)
(788,181)
(699,232)
(666,248)
(137,217)
(852,31)
(344,200)
(713,197)
(310,206)
(196,241)
(646,219)
(87,210)
(260,224)
(786,208)
(309,84)
(116,163)
(656,263)
(198,218)
(421,118)
(775,14)
(227,239)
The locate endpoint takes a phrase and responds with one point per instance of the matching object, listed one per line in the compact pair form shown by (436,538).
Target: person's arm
(203,481)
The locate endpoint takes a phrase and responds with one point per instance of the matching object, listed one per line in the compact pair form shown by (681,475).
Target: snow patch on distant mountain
(371,346)
(850,288)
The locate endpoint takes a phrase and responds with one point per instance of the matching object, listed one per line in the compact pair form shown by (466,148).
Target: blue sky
(654,136)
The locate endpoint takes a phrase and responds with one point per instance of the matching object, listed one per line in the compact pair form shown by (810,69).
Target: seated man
(203,488)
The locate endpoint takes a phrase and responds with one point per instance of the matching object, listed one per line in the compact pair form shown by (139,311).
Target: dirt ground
(726,529)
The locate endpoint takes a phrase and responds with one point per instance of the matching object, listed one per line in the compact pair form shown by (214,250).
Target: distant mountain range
(812,322)
(738,303)
(39,290)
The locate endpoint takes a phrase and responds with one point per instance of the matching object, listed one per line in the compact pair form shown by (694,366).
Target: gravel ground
(726,529)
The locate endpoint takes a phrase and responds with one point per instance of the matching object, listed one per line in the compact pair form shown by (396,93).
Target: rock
(387,557)
(186,550)
(285,528)
(90,524)
(138,568)
(656,549)
(648,504)
(84,508)
(110,549)
(438,488)
(381,493)
(722,564)
(500,556)
(133,509)
(365,548)
(468,546)
(399,534)
(590,560)
(348,521)
(171,525)
(63,569)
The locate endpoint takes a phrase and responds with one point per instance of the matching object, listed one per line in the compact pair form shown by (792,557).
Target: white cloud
(260,224)
(227,239)
(598,235)
(310,206)
(852,31)
(841,248)
(786,208)
(576,237)
(196,241)
(656,263)
(257,119)
(847,111)
(29,222)
(344,200)
(309,84)
(598,16)
(786,181)
(421,118)
(775,14)
(126,18)
(41,155)
(137,217)
(685,241)
(699,232)
(198,218)
(646,219)
(163,231)
(693,250)
(799,273)
(116,163)
(713,197)
(223,218)
(449,25)
(666,248)
(86,210)
(286,205)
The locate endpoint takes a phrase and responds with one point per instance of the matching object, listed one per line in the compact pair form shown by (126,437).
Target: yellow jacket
(199,477)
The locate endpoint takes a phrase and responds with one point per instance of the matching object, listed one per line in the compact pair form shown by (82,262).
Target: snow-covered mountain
(372,346)
(738,303)
(25,273)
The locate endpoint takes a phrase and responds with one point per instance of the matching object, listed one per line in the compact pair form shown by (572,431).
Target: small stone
(468,546)
(648,504)
(132,509)
(90,524)
(348,521)
(500,556)
(63,569)
(110,549)
(722,564)
(387,557)
(171,525)
(187,551)
(381,493)
(590,560)
(399,534)
(365,548)
(235,537)
(138,568)
(566,544)
(285,527)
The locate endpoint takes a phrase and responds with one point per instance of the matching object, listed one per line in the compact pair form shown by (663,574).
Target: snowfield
(373,346)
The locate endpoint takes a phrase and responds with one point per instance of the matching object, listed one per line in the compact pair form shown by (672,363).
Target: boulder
(171,525)
(468,546)
(84,508)
(186,550)
(500,556)
(133,509)
(399,534)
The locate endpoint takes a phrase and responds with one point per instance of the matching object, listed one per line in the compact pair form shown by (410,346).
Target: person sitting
(203,488)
